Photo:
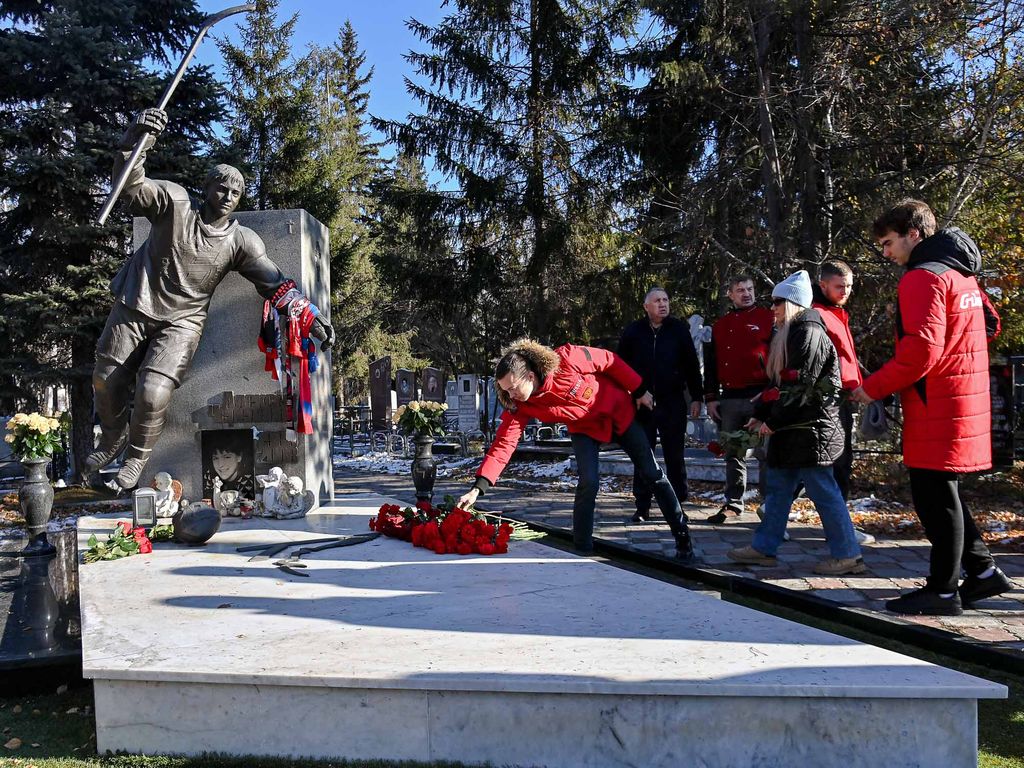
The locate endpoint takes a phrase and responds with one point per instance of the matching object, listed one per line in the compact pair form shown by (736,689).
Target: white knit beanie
(795,288)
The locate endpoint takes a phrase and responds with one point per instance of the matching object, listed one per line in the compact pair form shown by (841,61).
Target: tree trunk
(534,198)
(83,356)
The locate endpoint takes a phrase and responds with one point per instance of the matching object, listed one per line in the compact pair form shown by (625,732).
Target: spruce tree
(75,72)
(272,109)
(508,118)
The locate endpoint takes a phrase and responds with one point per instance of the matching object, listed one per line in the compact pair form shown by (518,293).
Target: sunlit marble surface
(537,657)
(388,615)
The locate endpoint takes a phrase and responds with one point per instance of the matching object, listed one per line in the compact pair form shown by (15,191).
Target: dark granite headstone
(1001,382)
(380,393)
(433,385)
(405,386)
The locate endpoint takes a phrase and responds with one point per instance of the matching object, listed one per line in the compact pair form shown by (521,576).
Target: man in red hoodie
(595,394)
(941,371)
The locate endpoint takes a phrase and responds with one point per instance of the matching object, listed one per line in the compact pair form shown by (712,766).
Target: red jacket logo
(587,393)
(970,299)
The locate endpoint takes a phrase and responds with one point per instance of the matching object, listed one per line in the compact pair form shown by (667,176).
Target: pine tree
(75,72)
(272,110)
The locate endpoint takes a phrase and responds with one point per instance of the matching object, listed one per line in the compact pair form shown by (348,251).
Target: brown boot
(750,556)
(834,567)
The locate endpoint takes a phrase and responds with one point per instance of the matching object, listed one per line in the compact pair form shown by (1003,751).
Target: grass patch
(1000,721)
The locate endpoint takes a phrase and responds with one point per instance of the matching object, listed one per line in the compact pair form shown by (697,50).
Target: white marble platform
(537,657)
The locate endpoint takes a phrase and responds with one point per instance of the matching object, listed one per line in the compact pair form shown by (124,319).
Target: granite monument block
(227,387)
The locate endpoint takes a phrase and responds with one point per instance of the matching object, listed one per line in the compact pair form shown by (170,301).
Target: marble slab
(537,657)
(534,620)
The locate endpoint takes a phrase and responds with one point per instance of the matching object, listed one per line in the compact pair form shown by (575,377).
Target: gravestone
(405,386)
(380,393)
(227,390)
(433,385)
(1001,386)
(469,402)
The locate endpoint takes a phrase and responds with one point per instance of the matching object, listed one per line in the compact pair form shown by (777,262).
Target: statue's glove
(149,122)
(321,329)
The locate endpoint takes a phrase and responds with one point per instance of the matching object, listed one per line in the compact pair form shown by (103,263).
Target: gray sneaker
(863,538)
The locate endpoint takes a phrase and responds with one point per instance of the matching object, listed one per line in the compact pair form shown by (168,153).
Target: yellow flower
(11,424)
(414,405)
(54,424)
(398,413)
(9,438)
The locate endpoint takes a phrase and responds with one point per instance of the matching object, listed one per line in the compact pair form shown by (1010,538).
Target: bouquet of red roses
(822,391)
(123,542)
(444,530)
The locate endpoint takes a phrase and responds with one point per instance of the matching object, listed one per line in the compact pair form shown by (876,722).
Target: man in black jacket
(659,347)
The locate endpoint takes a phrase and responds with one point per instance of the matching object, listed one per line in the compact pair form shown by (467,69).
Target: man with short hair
(831,293)
(941,371)
(734,372)
(660,348)
(162,296)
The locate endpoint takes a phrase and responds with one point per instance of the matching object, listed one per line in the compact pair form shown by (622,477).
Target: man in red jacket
(591,391)
(940,370)
(734,372)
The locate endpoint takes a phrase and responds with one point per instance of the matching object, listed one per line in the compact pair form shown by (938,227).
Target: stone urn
(36,502)
(424,468)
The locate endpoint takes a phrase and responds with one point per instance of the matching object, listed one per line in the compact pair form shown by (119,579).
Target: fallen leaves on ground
(13,744)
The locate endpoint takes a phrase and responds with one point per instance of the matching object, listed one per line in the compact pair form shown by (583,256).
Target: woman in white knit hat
(807,436)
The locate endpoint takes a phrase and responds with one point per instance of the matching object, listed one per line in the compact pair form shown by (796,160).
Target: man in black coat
(659,347)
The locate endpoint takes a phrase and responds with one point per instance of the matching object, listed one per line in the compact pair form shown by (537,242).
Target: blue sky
(380,27)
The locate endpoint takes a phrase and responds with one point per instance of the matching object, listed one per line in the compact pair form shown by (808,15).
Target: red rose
(464,548)
(126,528)
(715,448)
(145,547)
(423,505)
(501,547)
(440,549)
(788,374)
(417,536)
(770,395)
(486,549)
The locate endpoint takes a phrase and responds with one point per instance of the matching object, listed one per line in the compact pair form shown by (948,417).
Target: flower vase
(36,502)
(424,468)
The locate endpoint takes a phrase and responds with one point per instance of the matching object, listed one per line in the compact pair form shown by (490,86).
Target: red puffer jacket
(585,388)
(940,367)
(837,323)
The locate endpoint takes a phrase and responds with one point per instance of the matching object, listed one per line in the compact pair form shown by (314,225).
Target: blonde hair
(777,354)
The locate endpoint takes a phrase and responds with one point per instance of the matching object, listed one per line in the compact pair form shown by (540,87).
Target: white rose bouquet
(422,417)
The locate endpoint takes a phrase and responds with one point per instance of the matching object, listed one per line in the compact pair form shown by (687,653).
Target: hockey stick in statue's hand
(115,192)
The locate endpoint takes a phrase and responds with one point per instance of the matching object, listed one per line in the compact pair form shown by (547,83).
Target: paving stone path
(894,564)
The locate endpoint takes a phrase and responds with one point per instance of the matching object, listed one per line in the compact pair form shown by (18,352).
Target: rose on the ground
(445,529)
(123,541)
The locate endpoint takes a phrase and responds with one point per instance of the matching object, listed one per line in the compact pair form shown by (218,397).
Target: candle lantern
(143,507)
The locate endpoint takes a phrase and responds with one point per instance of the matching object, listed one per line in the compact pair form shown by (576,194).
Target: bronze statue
(163,294)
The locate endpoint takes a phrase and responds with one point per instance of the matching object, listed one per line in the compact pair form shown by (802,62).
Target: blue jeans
(828,501)
(634,443)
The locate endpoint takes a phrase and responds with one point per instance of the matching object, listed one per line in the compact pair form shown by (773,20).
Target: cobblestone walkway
(894,564)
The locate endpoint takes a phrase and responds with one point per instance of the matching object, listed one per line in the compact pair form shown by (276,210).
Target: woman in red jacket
(592,392)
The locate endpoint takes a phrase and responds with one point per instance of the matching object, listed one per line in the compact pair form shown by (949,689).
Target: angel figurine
(271,490)
(168,494)
(293,501)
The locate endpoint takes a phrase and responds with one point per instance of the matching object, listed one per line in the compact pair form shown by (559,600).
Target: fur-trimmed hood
(543,360)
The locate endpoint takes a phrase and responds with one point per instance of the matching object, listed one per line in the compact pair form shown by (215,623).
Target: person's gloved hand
(322,331)
(150,123)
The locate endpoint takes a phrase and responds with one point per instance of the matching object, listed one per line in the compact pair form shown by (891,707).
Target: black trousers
(670,422)
(949,527)
(843,467)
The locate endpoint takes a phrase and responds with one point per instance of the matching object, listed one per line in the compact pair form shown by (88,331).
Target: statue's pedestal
(227,388)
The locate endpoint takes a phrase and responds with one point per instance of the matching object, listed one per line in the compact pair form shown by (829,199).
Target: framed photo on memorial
(229,456)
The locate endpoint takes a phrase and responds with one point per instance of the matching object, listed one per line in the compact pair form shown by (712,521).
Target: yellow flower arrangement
(35,436)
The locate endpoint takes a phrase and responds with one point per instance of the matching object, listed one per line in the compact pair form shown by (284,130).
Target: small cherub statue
(229,504)
(168,494)
(271,484)
(292,501)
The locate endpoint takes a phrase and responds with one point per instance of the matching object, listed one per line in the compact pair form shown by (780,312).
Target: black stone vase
(36,502)
(424,468)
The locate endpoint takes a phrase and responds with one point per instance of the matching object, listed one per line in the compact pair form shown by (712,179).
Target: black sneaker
(974,589)
(684,550)
(640,517)
(926,602)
